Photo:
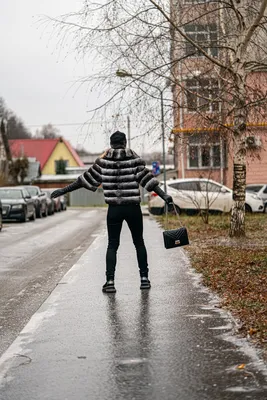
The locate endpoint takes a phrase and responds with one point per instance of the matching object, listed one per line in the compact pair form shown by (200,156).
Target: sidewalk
(171,343)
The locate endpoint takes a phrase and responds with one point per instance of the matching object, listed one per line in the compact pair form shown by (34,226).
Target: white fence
(86,198)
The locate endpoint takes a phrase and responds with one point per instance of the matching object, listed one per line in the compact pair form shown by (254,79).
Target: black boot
(109,287)
(145,283)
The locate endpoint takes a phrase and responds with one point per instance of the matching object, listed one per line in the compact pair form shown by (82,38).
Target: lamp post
(125,74)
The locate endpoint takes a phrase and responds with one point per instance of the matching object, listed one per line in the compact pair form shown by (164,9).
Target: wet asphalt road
(33,258)
(170,343)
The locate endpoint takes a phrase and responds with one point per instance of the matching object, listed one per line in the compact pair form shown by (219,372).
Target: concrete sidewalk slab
(170,343)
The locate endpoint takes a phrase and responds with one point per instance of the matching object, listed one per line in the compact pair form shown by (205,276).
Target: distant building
(89,159)
(34,170)
(47,152)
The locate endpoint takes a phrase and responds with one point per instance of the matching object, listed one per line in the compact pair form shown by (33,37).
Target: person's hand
(168,199)
(57,193)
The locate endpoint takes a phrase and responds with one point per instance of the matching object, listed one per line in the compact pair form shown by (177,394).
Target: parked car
(39,198)
(1,216)
(49,202)
(201,194)
(260,190)
(17,204)
(57,202)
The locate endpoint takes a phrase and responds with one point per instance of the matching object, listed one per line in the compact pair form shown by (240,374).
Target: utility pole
(129,131)
(163,140)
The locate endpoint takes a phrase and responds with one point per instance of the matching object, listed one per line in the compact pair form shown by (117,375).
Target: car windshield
(10,194)
(32,190)
(254,189)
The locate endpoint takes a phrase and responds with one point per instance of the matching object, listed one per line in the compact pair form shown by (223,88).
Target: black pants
(133,216)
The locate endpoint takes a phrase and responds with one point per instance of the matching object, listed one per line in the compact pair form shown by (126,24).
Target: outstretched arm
(70,188)
(90,180)
(147,180)
(166,197)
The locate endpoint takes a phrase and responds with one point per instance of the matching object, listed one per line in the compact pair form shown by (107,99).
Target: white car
(201,194)
(261,190)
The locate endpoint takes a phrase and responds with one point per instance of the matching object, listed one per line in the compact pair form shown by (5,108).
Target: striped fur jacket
(120,171)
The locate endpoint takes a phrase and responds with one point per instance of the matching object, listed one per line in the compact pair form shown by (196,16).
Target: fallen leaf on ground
(252,331)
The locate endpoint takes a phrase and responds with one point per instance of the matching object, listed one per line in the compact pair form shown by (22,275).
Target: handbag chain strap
(177,215)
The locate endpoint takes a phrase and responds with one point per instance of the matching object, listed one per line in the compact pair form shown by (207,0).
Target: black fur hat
(118,140)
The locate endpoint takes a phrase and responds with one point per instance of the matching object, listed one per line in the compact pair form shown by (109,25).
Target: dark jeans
(133,216)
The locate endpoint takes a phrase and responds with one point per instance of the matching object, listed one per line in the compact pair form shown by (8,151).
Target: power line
(69,124)
(72,123)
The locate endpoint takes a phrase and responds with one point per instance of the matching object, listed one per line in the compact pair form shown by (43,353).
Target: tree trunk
(5,141)
(237,225)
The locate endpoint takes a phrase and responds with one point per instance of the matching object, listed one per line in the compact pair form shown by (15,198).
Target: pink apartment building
(201,147)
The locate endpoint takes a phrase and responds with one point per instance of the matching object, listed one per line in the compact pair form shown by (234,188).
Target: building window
(206,36)
(60,166)
(202,95)
(203,154)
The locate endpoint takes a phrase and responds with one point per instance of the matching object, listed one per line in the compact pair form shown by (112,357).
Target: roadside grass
(235,268)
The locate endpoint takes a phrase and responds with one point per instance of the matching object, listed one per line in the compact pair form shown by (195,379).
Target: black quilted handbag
(176,237)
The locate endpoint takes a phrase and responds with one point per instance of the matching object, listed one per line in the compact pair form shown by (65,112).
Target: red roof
(41,149)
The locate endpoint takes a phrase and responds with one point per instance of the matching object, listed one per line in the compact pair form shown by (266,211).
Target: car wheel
(248,209)
(1,221)
(156,210)
(33,217)
(39,212)
(24,217)
(265,208)
(45,213)
(171,209)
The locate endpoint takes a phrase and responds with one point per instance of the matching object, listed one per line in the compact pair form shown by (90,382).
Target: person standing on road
(120,171)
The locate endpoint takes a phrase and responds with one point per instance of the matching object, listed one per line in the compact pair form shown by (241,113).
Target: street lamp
(125,74)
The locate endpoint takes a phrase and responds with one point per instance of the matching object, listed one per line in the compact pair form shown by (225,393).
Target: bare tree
(18,170)
(16,128)
(151,41)
(48,131)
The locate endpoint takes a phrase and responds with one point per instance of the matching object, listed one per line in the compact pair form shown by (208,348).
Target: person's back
(120,171)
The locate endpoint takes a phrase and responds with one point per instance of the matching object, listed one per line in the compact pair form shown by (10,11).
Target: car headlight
(255,196)
(17,206)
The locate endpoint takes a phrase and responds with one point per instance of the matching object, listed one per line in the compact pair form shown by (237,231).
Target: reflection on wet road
(170,343)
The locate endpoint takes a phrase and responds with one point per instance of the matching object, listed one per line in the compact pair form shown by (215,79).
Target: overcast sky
(37,81)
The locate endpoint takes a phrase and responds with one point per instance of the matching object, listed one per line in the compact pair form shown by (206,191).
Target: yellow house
(51,153)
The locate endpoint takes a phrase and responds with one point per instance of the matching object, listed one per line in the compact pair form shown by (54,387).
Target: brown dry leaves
(235,268)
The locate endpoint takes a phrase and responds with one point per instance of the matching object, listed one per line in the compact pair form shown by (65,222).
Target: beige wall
(60,152)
